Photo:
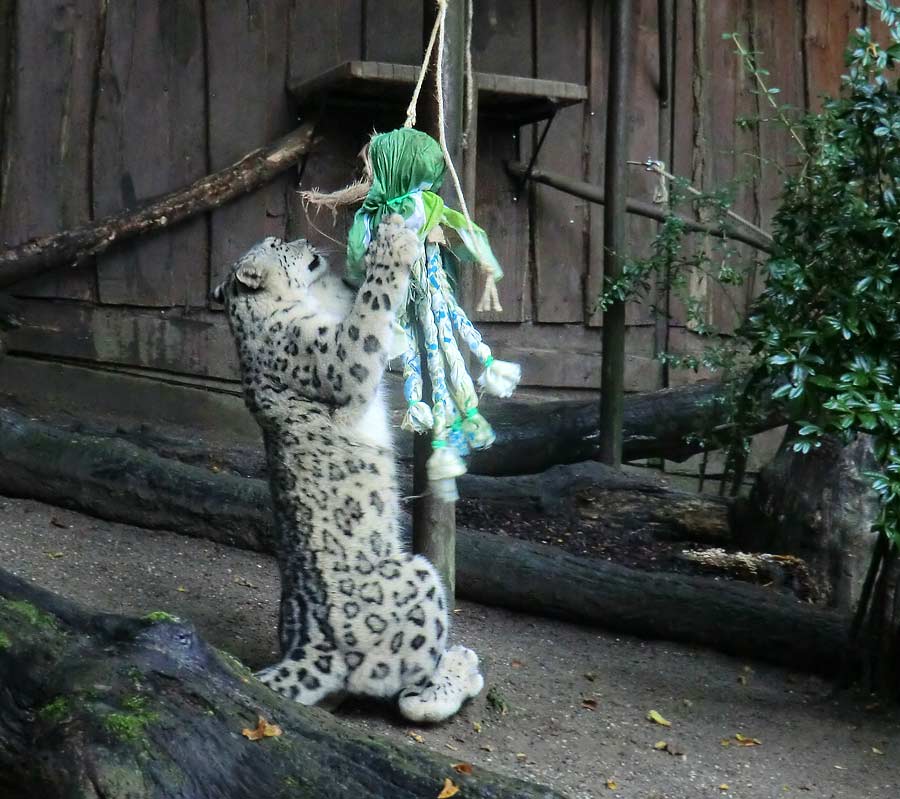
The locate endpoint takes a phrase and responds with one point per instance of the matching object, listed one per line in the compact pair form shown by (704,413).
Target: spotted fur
(357,613)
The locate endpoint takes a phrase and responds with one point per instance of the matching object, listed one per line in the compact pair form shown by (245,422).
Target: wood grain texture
(568,356)
(393,31)
(197,343)
(501,37)
(501,208)
(248,107)
(46,136)
(150,138)
(828,27)
(560,221)
(323,35)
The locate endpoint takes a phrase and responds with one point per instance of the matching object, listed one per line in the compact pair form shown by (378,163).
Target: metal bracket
(534,156)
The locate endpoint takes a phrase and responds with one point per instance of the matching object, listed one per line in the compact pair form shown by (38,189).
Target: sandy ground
(565,705)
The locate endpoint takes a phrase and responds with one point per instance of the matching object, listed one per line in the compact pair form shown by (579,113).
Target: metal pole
(434,523)
(612,386)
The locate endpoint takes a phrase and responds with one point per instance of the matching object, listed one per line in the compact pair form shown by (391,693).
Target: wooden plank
(196,343)
(323,35)
(502,210)
(7,71)
(502,44)
(595,131)
(644,143)
(501,37)
(149,138)
(373,84)
(828,27)
(778,38)
(568,356)
(560,221)
(248,107)
(393,31)
(712,89)
(46,140)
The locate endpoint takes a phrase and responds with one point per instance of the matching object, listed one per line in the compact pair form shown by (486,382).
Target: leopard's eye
(314,263)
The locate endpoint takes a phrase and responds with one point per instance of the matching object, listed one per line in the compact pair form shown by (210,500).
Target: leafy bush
(827,322)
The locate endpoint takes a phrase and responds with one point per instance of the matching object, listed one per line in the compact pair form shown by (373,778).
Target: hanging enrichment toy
(404,168)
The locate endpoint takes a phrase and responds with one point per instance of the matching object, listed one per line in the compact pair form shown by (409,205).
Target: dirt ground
(564,705)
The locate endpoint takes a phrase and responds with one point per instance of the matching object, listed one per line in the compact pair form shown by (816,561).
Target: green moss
(29,612)
(55,711)
(137,704)
(5,643)
(161,615)
(131,726)
(496,701)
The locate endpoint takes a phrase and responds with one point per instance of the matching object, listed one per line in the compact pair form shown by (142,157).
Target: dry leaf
(462,768)
(743,740)
(841,768)
(876,751)
(612,784)
(521,757)
(661,746)
(589,704)
(476,725)
(517,664)
(656,718)
(55,555)
(486,748)
(416,737)
(450,789)
(182,589)
(263,730)
(724,787)
(726,742)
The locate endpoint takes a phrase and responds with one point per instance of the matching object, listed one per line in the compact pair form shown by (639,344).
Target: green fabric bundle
(407,168)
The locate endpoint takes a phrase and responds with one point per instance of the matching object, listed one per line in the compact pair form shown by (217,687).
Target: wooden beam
(71,247)
(612,383)
(595,194)
(434,522)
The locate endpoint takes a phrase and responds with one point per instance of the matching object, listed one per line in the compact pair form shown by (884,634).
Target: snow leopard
(358,613)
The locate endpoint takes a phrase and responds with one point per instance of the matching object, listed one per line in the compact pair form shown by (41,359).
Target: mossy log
(95,706)
(117,480)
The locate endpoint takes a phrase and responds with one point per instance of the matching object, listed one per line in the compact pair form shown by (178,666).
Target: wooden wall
(108,102)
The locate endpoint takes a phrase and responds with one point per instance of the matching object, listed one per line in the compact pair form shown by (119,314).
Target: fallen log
(531,437)
(71,247)
(96,705)
(667,423)
(118,480)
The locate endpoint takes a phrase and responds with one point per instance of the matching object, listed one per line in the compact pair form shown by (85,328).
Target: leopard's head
(273,270)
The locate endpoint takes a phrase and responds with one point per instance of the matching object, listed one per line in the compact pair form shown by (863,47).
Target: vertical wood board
(150,138)
(46,146)
(393,31)
(249,107)
(828,28)
(560,220)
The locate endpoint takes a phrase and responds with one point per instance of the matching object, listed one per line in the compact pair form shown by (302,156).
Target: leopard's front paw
(397,245)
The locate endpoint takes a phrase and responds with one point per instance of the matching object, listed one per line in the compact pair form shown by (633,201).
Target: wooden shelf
(507,97)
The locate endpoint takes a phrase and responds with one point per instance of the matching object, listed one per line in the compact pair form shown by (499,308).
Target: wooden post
(612,386)
(434,522)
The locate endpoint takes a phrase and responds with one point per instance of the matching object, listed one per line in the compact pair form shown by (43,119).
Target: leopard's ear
(250,276)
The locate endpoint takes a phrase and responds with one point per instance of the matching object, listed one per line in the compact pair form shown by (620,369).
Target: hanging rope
(401,169)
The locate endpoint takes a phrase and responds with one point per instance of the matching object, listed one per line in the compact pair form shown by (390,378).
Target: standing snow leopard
(358,613)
